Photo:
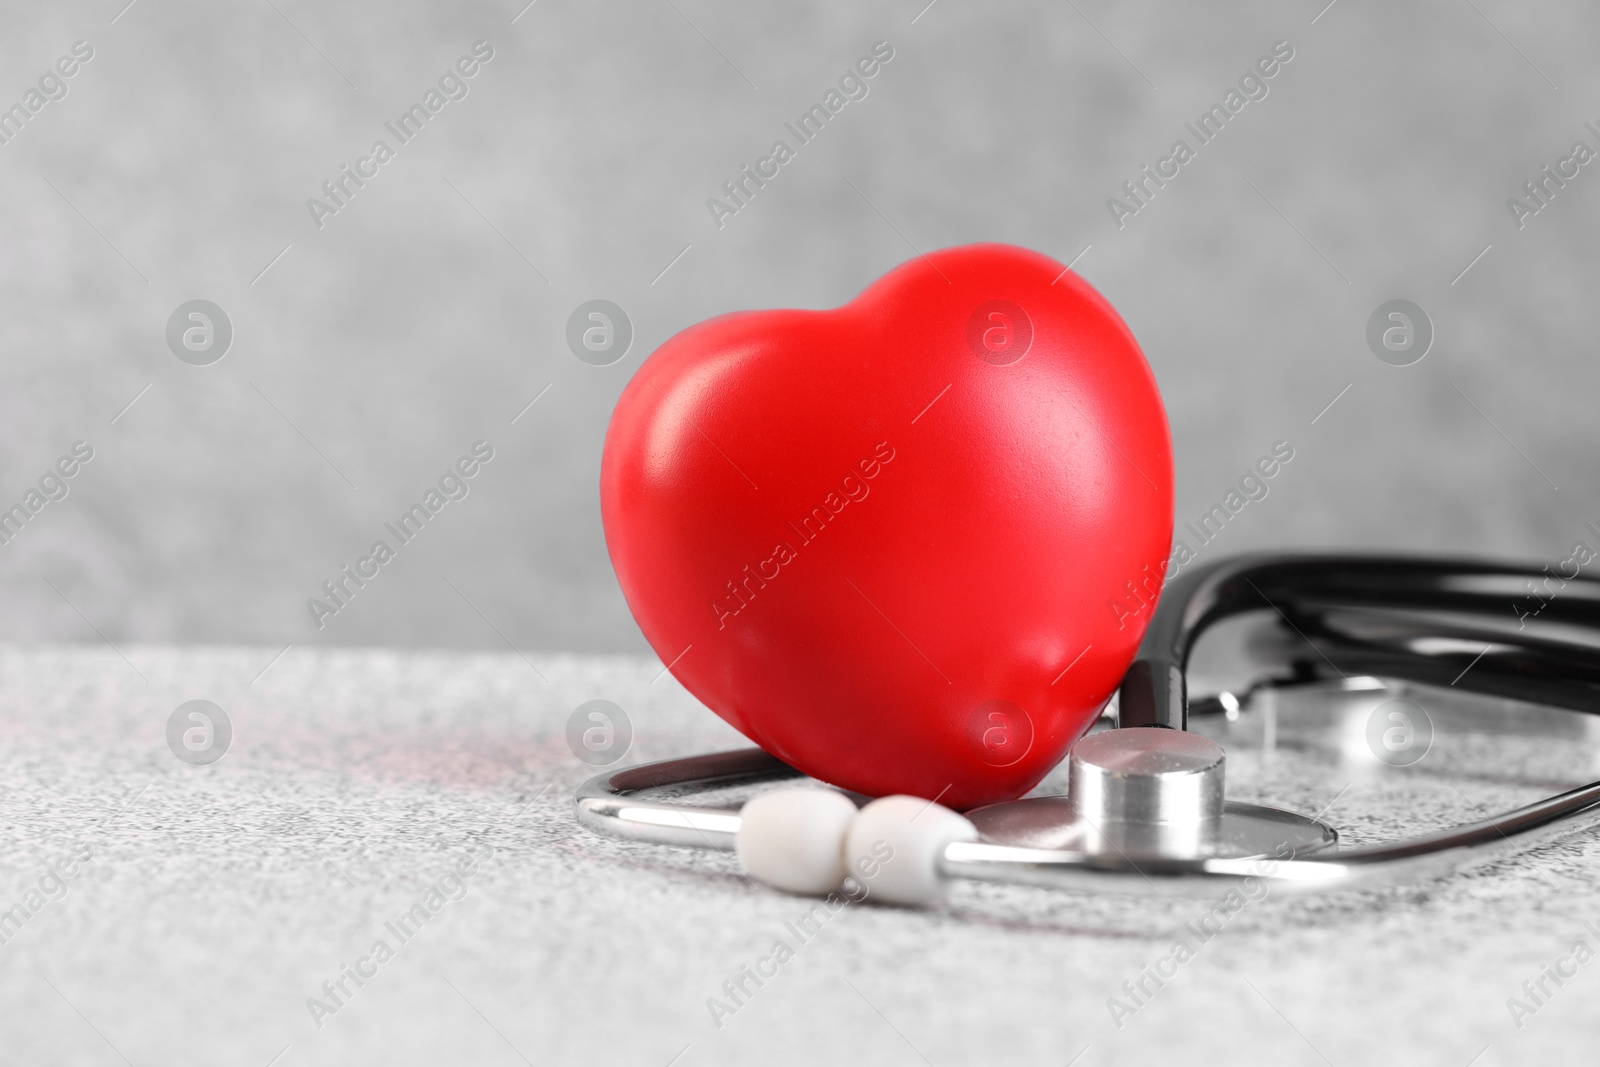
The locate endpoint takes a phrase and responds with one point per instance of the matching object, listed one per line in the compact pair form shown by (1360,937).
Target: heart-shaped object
(909,545)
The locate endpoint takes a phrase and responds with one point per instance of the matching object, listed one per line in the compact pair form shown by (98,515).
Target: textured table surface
(218,900)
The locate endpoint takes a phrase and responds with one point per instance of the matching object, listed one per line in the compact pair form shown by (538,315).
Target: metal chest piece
(1150,793)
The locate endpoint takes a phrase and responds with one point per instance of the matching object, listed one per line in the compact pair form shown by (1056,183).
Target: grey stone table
(175,914)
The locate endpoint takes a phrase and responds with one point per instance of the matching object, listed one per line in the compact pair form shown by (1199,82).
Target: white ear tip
(793,839)
(895,844)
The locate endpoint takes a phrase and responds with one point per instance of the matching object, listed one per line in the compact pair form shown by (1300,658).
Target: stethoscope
(1144,808)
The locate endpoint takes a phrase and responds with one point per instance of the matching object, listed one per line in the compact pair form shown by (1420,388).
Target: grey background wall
(371,352)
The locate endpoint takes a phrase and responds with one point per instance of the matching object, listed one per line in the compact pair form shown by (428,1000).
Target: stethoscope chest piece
(1150,793)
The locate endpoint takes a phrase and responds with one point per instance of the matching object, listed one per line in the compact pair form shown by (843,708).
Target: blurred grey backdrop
(368,354)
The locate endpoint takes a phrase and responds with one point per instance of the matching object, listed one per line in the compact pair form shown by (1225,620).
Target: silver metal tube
(614,803)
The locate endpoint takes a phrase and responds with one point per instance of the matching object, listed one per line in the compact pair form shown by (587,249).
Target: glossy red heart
(909,545)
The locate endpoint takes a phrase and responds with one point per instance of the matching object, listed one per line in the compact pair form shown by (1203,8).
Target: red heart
(909,545)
